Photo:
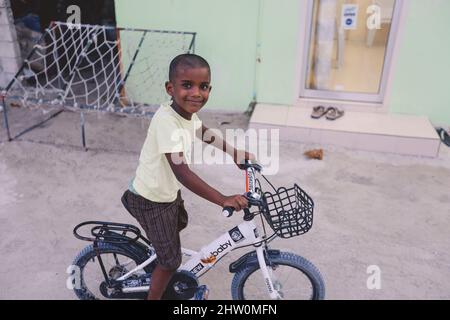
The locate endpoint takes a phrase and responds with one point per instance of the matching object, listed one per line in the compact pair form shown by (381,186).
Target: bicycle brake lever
(253,199)
(257,167)
(248,215)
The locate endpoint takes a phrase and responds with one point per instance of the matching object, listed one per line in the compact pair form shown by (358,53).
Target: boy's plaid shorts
(162,222)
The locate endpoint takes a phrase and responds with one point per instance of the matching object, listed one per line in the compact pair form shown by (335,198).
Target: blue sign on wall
(349,16)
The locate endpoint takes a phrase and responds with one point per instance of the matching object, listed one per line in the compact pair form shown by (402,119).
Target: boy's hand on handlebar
(238,202)
(240,157)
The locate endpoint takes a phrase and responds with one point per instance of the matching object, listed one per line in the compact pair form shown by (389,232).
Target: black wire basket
(289,212)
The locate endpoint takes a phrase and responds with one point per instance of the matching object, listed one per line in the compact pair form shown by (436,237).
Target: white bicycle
(119,262)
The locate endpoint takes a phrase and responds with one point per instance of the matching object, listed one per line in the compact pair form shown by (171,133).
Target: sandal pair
(331,113)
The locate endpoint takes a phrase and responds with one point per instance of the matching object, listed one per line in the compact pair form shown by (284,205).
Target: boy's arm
(194,183)
(209,137)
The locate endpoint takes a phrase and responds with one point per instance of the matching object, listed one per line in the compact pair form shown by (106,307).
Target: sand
(371,208)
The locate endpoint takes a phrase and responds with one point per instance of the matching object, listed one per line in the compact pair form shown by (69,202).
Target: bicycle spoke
(93,276)
(290,282)
(115,258)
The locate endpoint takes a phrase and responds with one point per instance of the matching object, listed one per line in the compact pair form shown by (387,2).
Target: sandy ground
(371,209)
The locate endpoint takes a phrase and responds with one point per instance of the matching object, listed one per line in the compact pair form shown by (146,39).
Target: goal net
(96,68)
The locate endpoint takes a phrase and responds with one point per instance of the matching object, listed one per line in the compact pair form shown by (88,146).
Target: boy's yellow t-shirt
(168,133)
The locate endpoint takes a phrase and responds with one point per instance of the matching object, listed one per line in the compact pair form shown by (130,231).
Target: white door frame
(351,101)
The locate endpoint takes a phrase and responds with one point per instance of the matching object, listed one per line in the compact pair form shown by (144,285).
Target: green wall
(279,37)
(226,37)
(421,84)
(233,34)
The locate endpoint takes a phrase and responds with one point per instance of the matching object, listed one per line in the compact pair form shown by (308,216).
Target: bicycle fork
(274,295)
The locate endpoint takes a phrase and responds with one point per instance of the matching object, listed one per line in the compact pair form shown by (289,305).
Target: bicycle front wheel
(294,277)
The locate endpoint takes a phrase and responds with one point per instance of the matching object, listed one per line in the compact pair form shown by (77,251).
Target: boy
(154,197)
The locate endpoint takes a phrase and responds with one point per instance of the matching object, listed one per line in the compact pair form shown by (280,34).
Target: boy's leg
(160,279)
(161,222)
(162,276)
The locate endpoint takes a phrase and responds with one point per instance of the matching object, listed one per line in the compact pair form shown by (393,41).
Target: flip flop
(334,113)
(318,112)
(445,137)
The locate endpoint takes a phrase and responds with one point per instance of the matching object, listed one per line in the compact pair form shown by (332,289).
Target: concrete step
(381,132)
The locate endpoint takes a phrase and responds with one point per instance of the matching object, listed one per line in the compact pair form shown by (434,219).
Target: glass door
(349,49)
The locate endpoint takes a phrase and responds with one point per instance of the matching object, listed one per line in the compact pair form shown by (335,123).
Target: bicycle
(288,212)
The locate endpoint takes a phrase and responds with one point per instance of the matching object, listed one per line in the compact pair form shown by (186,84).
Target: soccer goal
(91,67)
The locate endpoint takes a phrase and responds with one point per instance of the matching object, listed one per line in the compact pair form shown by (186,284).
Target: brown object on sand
(314,154)
(14,104)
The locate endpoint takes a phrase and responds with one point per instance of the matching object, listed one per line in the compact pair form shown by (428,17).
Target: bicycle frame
(244,234)
(202,261)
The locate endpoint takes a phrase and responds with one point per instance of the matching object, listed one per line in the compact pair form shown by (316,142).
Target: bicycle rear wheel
(294,277)
(117,262)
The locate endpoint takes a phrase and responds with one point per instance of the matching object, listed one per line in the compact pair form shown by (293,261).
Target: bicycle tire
(83,292)
(285,259)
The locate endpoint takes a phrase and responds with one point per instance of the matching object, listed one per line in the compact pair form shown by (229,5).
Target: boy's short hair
(188,60)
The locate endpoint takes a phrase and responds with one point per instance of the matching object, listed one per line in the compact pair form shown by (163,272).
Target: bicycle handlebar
(250,164)
(252,197)
(228,212)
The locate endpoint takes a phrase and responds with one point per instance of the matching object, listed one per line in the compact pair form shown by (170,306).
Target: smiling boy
(154,197)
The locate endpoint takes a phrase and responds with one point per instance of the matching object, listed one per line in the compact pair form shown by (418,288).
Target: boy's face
(190,88)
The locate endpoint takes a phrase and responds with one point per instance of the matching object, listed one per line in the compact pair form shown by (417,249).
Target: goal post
(92,67)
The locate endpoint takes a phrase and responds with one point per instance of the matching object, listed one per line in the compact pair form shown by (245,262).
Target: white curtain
(325,33)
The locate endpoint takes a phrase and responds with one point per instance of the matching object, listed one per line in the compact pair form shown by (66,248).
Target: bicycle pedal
(202,293)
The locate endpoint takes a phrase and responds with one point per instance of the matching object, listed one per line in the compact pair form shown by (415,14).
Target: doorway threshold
(369,131)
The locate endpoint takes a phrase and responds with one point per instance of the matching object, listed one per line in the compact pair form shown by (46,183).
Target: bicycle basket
(289,212)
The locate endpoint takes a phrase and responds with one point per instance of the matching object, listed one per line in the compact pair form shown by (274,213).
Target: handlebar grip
(227,212)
